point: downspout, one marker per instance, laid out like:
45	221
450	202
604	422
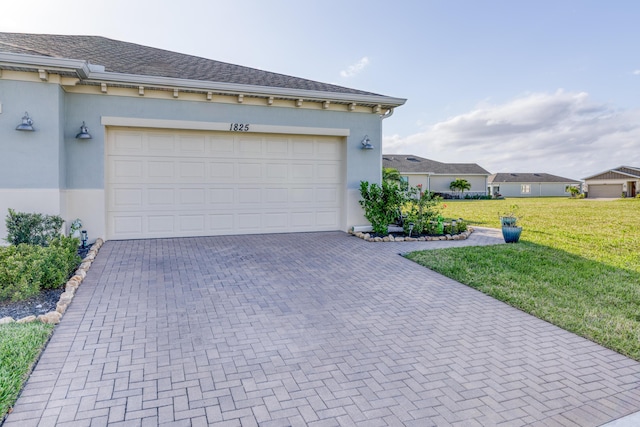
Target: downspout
388	114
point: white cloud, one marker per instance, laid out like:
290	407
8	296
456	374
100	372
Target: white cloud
355	69
636	72
560	133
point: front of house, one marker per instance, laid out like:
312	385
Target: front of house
179	145
436	176
623	181
530	185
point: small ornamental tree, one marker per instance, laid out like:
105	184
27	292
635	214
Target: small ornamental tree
573	190
460	185
391	174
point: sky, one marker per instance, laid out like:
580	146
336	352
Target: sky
545	86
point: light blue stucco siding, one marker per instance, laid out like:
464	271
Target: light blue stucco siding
536	189
31	159
86	162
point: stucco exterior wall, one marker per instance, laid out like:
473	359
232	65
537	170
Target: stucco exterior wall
440	183
537	189
73	171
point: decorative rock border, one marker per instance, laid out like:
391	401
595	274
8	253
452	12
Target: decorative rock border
66	297
367	236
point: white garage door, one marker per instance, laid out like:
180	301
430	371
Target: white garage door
605	191
191	183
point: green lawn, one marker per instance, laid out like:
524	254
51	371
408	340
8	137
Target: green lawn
577	264
20	346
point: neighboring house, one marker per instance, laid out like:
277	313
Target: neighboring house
530	185
181	145
436	176
623	180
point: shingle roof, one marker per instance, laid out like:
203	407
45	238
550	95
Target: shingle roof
528	177
407	163
130	58
620	171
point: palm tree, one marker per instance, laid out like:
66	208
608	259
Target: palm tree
460	185
391	174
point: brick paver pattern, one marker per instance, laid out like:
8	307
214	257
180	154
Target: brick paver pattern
318	329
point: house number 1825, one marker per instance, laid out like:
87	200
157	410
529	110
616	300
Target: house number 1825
239	127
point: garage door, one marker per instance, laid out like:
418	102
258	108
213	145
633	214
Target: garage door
605	191
190	183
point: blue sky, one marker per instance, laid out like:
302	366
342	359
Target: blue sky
537	86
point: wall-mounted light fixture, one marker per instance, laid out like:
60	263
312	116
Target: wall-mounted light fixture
366	143
84	132
27	123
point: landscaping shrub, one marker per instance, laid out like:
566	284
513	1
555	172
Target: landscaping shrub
382	204
27	269
32	228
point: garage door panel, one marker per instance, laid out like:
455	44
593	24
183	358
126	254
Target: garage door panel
302	171
222	172
192	145
192	223
221	146
193	196
328	172
161	145
249	221
126	170
303	148
250	147
157	197
124	225
161	224
277	171
160	169
249	196
192	171
249	171
277	149
177	183
127	143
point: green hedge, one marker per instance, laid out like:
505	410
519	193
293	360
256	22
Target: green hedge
32	228
27	269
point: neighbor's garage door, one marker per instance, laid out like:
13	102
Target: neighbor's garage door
605	191
190	183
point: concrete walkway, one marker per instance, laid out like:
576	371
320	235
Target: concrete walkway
319	329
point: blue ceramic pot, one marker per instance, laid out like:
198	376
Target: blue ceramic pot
511	234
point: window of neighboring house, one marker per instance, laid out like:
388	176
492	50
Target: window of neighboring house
525	189
404	179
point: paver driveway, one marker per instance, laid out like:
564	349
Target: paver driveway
308	329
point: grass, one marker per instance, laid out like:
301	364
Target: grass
20	346
577	264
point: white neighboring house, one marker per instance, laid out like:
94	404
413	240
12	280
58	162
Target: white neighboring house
530	185
613	183
436	176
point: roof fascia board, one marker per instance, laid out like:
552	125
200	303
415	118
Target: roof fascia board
242	88
61	64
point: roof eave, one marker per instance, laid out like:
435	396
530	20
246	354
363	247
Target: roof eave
245	89
88	73
49	63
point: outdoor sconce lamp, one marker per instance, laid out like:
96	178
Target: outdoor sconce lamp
84	132
27	123
366	143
